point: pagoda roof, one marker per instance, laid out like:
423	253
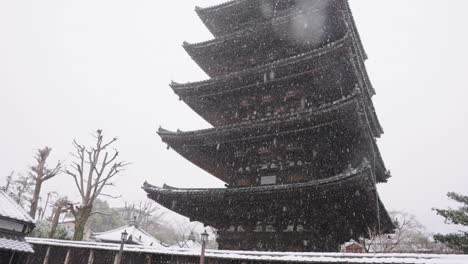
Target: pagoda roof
245	76
317	63
188	144
204	204
284	36
231	16
355	173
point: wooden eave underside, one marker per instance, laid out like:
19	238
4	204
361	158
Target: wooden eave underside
315	186
311	120
220	83
210	201
350	105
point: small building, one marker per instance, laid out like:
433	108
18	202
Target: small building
15	224
136	236
353	247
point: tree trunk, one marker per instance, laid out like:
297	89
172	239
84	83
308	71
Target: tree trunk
35	198
81	219
55	220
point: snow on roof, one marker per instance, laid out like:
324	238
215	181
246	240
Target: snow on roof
309	257
67	219
135	235
13	242
12	210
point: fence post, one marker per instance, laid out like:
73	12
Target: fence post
91	257
46	258
67	257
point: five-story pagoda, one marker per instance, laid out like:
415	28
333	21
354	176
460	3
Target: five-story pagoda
294	129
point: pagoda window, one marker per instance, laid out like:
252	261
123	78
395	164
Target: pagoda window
267	98
264	150
239	153
258	227
300	228
268	180
240	229
289	228
289	95
269	228
303	103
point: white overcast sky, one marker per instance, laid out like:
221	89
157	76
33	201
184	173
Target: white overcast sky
70	67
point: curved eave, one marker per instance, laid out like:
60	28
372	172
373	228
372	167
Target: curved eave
348	110
283	17
187	199
250	71
361	174
206	14
233	52
349	105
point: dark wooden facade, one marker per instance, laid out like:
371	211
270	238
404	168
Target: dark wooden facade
294	129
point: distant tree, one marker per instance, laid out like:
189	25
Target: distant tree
146	213
9	180
41	173
94	169
21	189
60	206
104	217
42	230
409	235
459	216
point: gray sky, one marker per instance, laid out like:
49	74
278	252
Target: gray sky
70	67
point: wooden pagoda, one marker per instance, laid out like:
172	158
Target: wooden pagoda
294	129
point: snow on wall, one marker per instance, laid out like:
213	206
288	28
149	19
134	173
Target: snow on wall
267	256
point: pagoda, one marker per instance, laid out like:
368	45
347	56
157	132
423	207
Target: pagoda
294	129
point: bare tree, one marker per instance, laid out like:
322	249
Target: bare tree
93	169
46	204
9	180
185	232
60	206
41	173
21	188
408	232
145	213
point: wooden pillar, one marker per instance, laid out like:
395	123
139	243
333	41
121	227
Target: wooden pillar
67	257
12	257
46	257
91	257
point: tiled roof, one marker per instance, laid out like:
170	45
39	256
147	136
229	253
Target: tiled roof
137	235
10	209
14	243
